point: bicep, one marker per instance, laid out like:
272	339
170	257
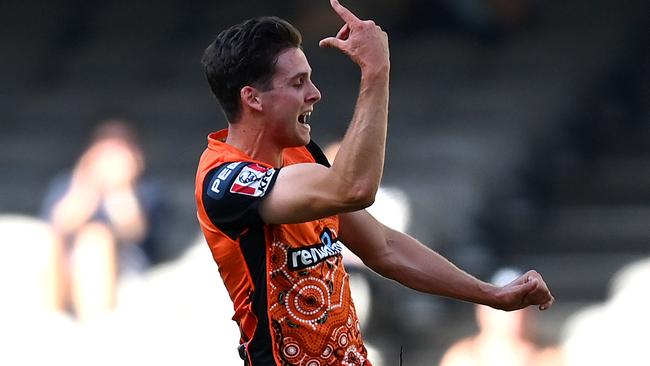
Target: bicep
305	192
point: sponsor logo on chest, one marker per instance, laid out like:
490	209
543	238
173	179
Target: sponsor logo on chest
299	258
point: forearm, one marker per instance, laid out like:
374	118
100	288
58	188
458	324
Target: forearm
126	214
416	266
404	259
73	210
360	159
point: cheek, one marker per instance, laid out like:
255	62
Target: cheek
282	109
285	112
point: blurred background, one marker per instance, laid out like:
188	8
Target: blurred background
519	138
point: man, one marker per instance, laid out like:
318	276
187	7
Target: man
274	212
503	338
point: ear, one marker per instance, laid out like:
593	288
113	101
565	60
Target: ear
251	97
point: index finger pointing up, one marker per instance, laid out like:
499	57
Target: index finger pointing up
344	13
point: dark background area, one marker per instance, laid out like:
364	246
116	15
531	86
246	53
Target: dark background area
520	133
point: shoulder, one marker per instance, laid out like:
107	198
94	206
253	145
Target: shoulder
231	194
460	353
240	177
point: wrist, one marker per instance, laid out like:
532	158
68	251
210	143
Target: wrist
487	295
376	73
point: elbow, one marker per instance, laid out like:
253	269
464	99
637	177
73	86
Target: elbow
386	260
355	191
384	265
365	198
360	197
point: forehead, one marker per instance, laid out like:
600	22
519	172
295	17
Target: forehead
291	63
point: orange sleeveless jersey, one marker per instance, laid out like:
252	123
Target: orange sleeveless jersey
289	289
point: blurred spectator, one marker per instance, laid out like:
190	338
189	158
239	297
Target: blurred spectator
503	338
104	213
30	280
174	314
30	284
614	332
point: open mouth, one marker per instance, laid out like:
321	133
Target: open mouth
304	118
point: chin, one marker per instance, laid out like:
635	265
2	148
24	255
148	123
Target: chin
297	142
301	142
301	139
306	140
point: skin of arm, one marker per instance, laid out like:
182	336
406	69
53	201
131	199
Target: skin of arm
398	256
305	192
80	201
126	214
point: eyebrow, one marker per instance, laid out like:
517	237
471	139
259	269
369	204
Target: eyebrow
299	74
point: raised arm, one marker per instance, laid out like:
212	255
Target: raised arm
305	192
402	258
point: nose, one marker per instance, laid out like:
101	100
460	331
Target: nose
313	94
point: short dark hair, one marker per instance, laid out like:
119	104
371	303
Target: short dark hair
246	54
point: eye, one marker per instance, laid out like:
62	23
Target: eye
299	81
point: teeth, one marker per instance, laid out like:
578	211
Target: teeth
305	117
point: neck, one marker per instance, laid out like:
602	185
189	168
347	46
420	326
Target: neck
252	138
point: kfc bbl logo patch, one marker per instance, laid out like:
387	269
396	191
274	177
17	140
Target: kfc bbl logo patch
252	180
